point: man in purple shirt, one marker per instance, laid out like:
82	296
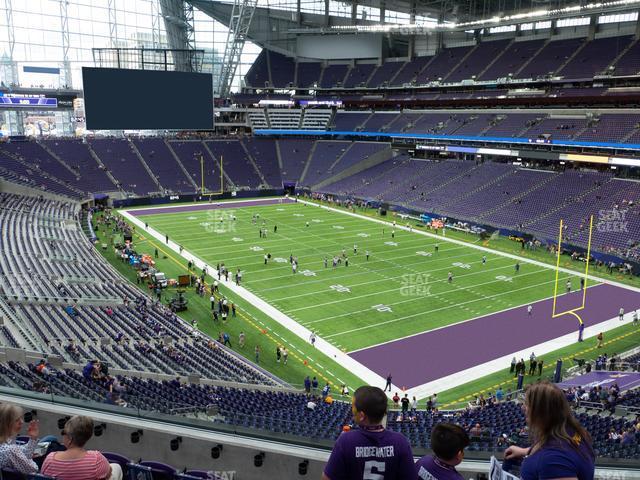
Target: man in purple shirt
370	451
448	442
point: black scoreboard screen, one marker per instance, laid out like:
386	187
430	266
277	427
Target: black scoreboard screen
122	99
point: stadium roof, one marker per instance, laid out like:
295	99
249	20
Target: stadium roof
281	19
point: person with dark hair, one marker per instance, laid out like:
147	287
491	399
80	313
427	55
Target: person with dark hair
448	442
560	446
370	451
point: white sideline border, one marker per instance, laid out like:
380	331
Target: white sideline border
498	364
360	370
367	375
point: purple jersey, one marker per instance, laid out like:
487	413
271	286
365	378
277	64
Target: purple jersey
431	468
364	455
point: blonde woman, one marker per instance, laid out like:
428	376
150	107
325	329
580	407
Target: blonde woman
76	463
17	457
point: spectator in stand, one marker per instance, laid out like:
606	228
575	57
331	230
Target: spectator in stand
17	457
76	463
370	449
41	368
561	447
448	442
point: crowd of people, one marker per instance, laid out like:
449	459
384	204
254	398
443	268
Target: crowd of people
559	446
64	459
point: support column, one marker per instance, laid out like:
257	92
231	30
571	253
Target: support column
593	27
65	78
326	13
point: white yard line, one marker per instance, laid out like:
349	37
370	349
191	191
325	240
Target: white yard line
367	375
394	267
477	247
356	297
502	363
421	298
436	310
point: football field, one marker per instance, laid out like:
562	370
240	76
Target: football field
396	308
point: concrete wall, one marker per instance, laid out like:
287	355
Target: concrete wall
340	46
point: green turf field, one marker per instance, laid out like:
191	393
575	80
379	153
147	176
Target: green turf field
402	289
263	331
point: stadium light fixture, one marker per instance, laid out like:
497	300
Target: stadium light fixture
423	28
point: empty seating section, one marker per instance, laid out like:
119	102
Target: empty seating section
550	194
435	198
325	154
478	60
316	119
629	62
349	121
294	154
190	153
162	163
125	166
611	127
512	60
258	74
236	164
509	125
258	118
358	75
383	74
357	152
34	154
595	57
378	122
282	411
284	119
473	124
76	154
22	172
444	62
557	128
333	75
49	265
264	151
365	183
503	195
550	58
440	173
281	70
409	72
308	73
570	58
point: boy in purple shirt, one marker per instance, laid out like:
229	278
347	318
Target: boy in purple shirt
448	442
370	451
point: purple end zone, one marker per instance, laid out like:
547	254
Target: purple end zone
432	355
625	380
208	206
